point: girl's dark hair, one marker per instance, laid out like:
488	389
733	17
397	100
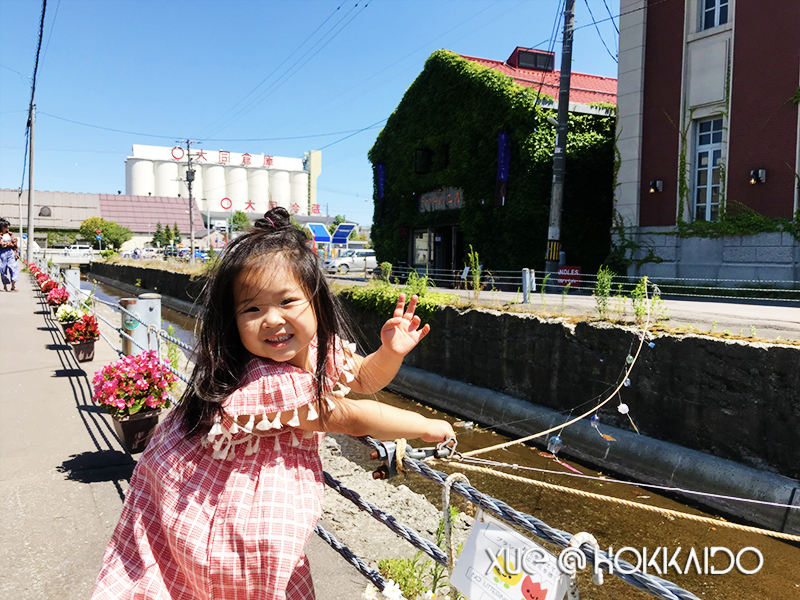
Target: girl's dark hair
220	356
4	222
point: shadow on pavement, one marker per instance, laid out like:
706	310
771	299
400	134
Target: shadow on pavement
99	466
64	347
69	373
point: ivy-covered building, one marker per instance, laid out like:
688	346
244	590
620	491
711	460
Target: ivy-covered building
465	160
709	139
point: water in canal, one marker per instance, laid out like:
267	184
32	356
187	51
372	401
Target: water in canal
612	524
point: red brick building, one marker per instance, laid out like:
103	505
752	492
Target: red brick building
708	122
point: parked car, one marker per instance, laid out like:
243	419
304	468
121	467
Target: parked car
352	260
79	250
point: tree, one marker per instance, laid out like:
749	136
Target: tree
176	235
336	221
112	235
158	236
240	221
169	237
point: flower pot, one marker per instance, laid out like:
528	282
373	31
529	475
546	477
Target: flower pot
135	431
67	325
84	351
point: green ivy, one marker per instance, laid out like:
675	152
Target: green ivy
739	219
455	108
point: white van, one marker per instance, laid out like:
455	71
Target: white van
79	250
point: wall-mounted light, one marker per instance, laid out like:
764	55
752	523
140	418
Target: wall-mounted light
758	176
656	186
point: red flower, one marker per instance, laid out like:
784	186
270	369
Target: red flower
84	330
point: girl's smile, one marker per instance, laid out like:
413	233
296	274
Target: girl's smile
274	315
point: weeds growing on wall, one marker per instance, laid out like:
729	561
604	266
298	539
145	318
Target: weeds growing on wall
602	291
381	297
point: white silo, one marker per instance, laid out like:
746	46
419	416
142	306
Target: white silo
142	177
166	178
258	189
236	178
299	196
279	189
214	185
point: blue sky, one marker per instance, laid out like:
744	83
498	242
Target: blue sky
226	72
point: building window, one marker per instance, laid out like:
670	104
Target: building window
715	13
707	170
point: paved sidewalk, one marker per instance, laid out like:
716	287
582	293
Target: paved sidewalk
63	471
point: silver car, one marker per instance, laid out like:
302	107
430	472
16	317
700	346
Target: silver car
352	260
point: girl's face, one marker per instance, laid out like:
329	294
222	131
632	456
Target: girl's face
274	316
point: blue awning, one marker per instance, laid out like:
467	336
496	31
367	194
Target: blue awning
320	233
343	232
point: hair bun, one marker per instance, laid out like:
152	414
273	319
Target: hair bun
277	218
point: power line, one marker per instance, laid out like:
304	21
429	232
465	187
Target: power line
600	35
52	26
276	68
613	22
629	12
291	71
33	91
172	137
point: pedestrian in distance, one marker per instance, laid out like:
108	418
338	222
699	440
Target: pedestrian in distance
9	255
227	493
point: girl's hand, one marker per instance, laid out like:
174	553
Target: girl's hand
438	431
401	333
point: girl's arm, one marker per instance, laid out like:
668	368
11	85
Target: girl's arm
367	417
399	336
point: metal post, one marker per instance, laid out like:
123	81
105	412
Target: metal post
559	152
72	276
526	283
29	253
129	326
150	312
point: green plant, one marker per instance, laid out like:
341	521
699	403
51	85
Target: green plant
602	290
543	290
564	296
386	270
620	303
727	332
109	253
639	300
714	326
416	284
474	275
752	331
173	353
418	575
381	297
138	282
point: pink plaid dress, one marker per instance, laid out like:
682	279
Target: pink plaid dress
226	518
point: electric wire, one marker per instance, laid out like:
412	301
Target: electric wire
600	35
291	71
273	71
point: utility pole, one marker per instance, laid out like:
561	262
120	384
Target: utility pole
189	180
29	246
560	151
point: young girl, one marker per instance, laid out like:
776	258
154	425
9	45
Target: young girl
226	495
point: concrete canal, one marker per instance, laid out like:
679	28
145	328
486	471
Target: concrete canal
612	524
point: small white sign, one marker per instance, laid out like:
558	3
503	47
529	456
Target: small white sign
497	563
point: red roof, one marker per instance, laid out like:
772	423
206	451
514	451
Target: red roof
141	213
583	88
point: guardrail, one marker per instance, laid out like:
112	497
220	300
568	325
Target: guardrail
585	283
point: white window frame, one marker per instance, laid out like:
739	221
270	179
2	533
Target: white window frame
708	169
714	13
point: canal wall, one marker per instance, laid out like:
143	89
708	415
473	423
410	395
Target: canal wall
735	400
